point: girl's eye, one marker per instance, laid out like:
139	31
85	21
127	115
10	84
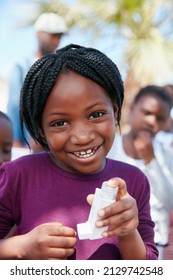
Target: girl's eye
96	115
59	123
7	151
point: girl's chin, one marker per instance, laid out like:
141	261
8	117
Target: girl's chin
84	168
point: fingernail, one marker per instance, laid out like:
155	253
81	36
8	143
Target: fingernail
99	223
105	234
101	213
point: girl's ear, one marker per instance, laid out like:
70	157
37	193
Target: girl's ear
41	131
42	134
115	108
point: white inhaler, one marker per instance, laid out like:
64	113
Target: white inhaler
103	197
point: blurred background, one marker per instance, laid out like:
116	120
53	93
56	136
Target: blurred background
137	35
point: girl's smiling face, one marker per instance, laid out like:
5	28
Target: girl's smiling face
78	123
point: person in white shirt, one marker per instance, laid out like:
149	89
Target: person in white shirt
148	115
166	136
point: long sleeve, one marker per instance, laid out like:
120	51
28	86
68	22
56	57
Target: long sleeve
16	79
15	84
6	219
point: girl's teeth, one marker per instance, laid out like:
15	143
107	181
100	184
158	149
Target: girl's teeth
86	154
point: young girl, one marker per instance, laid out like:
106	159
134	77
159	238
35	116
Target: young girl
6	138
71	103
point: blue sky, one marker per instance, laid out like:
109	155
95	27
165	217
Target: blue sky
17	42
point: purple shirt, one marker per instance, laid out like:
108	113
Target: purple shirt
33	190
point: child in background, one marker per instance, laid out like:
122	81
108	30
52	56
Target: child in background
71	103
6	142
165	136
7	151
6	138
149	113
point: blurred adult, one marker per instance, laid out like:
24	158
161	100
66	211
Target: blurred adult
49	29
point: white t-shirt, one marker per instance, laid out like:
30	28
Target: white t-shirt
166	138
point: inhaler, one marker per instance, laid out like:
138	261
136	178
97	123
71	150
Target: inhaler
103	197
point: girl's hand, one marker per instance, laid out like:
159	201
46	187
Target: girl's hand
122	216
49	241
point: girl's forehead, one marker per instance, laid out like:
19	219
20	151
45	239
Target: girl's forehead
74	92
71	84
4	122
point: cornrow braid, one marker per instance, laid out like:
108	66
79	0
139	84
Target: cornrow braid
43	74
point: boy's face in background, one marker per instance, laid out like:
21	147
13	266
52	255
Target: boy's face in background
48	42
79	123
6	140
149	114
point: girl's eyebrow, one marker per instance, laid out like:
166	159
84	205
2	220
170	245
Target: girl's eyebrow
94	105
87	109
58	113
55	114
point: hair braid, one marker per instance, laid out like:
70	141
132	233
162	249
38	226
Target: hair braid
42	76
94	65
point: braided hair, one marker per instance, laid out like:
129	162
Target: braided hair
43	74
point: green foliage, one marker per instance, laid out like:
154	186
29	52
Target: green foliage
145	25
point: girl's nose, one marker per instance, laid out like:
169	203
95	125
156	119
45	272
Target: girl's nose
81	135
